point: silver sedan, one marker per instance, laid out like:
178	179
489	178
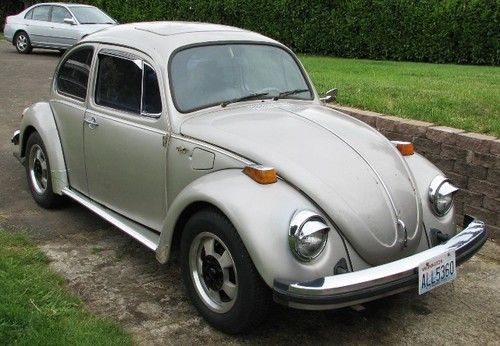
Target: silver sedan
54	26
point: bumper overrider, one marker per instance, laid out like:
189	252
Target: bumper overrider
368	284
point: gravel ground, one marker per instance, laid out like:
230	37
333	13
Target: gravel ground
121	279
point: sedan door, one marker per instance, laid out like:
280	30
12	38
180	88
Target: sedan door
39	26
63	35
124	136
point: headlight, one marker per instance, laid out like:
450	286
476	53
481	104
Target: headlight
441	193
307	235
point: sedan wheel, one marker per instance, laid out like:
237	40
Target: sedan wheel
23	43
219	274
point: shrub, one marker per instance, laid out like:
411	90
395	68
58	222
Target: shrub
453	31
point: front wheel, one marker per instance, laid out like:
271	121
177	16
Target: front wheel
38	173
23	43
219	275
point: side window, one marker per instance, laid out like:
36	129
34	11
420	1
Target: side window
151	99
118	84
127	85
41	13
59	14
29	15
73	75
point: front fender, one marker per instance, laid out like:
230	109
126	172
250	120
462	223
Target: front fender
424	171
261	214
39	118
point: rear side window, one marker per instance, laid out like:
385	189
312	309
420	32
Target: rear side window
127	85
29	15
41	13
73	75
59	14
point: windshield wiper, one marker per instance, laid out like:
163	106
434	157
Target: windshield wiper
244	98
284	94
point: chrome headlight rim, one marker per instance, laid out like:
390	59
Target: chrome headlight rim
305	223
438	184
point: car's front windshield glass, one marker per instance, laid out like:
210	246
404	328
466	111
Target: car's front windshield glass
209	75
91	15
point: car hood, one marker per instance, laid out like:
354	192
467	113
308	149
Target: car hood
349	170
88	29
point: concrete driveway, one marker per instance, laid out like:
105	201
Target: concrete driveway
121	279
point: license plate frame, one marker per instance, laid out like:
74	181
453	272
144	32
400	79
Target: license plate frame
437	271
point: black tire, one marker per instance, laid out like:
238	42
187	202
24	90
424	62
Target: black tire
23	43
253	297
38	173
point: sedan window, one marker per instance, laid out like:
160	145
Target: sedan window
59	14
41	13
29	15
73	75
91	15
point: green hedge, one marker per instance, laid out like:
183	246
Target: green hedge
454	31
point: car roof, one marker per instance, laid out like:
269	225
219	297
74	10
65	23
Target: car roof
164	37
68	4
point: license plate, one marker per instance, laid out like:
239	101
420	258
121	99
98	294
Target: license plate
437	271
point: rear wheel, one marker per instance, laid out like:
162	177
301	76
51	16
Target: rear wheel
38	173
23	43
219	275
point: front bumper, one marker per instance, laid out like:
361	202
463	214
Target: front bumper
369	284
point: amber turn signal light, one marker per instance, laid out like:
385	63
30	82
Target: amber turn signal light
405	148
261	174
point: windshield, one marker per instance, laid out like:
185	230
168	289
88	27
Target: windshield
91	15
220	74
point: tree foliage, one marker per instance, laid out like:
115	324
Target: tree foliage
453	31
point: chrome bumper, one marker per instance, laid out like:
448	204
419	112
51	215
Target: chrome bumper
364	285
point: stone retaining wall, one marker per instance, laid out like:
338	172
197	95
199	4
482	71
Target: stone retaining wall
470	160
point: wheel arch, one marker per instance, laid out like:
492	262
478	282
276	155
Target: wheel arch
260	214
16	33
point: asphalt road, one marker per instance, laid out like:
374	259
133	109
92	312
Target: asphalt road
121	279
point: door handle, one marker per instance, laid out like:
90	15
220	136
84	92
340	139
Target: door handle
91	122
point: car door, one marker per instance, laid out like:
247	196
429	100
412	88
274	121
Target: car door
63	35
124	138
39	26
68	105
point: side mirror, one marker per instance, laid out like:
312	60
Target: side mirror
70	21
330	96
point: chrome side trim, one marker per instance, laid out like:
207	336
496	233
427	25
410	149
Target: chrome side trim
142	234
369	284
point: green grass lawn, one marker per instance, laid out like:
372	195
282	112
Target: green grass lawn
465	97
37	309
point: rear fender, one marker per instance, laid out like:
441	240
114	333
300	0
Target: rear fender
39	118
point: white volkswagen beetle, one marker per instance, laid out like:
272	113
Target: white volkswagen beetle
213	139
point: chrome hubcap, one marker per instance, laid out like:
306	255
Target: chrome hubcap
22	42
213	272
38	169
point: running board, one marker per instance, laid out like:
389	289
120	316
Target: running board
140	233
